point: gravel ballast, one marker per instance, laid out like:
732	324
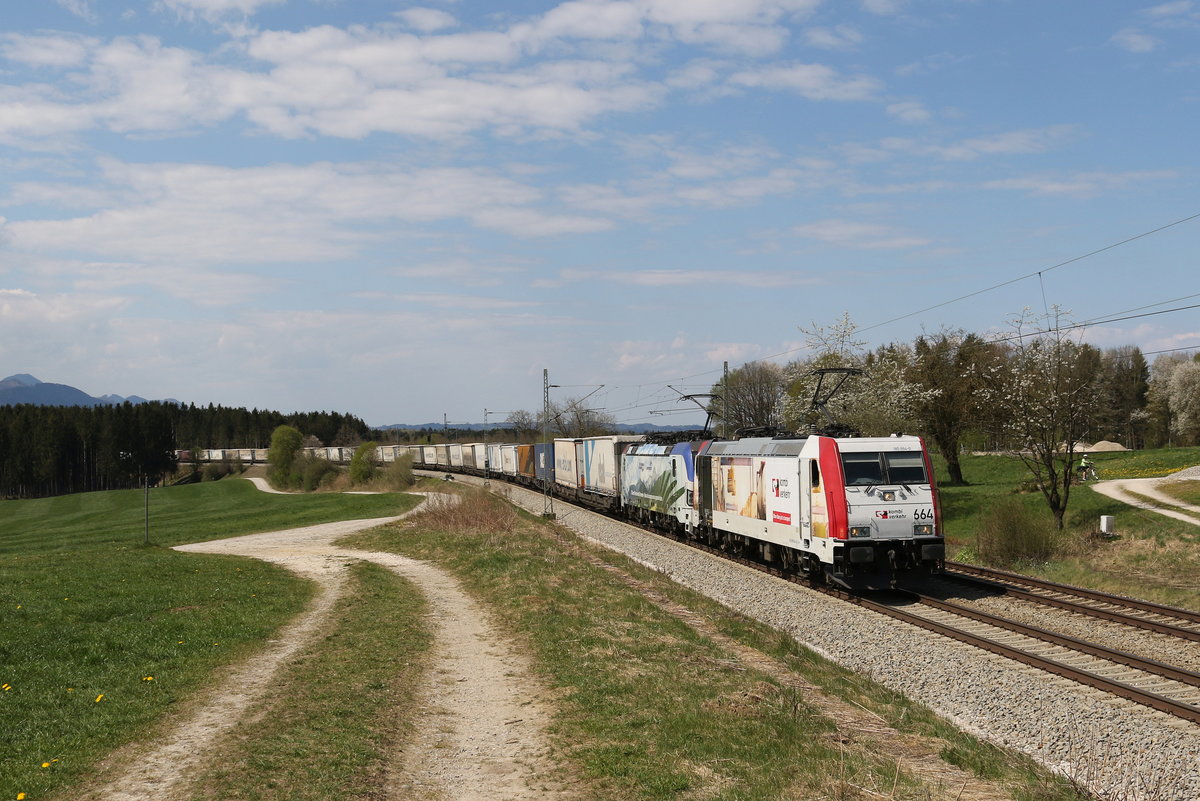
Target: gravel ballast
1117	749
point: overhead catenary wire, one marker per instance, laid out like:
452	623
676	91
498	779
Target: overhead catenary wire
1096	322
1011	281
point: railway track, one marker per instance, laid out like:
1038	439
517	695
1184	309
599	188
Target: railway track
1164	687
1169	620
1169	689
1154	684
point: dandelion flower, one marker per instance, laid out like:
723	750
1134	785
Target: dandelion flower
6	687
45	764
148	678
98	697
20	797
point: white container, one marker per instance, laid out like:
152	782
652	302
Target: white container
1107	524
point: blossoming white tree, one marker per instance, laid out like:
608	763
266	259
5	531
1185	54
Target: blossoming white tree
1044	393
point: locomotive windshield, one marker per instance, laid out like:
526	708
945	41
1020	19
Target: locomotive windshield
900	467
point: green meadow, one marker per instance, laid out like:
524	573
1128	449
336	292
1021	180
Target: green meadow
100	634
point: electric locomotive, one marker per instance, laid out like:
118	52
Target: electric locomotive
857	511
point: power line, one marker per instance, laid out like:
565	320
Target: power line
1147	306
1035	272
1097	322
1171	350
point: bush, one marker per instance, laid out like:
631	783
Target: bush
399	474
313	472
362	464
286	444
214	471
1011	532
475	511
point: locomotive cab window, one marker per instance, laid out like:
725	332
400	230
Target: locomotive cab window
901	467
906	467
862	469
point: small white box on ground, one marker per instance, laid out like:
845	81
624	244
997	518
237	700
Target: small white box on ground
1107	524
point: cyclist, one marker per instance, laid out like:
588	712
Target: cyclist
1087	469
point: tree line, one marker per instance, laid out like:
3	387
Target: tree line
55	450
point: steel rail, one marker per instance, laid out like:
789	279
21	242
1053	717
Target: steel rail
1082	592
997	579
1162	703
1066	641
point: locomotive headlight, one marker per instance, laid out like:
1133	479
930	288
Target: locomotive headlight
860	531
923	529
888	495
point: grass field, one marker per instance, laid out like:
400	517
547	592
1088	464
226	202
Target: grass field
103	634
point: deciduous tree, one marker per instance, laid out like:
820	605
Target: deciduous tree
1045	391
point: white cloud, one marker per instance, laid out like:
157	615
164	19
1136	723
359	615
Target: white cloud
214	9
756	279
930	64
909	111
1173	9
1086	184
356	81
883	7
467	303
61	329
427	20
813	81
840	37
166	214
1025	141
590	20
44	50
859	235
80	8
1134	41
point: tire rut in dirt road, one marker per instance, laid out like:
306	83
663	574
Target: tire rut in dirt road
480	734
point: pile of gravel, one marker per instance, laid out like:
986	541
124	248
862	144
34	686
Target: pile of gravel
1186	474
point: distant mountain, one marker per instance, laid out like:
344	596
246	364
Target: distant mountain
19	380
24	388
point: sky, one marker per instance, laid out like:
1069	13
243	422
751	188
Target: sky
409	211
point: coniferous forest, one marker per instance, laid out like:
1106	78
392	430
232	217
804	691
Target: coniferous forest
55	450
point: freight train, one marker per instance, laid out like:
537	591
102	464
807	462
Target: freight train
859	512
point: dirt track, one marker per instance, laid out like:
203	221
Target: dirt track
479	736
1120	490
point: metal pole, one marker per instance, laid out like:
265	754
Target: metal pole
724	395
547	499
147	540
